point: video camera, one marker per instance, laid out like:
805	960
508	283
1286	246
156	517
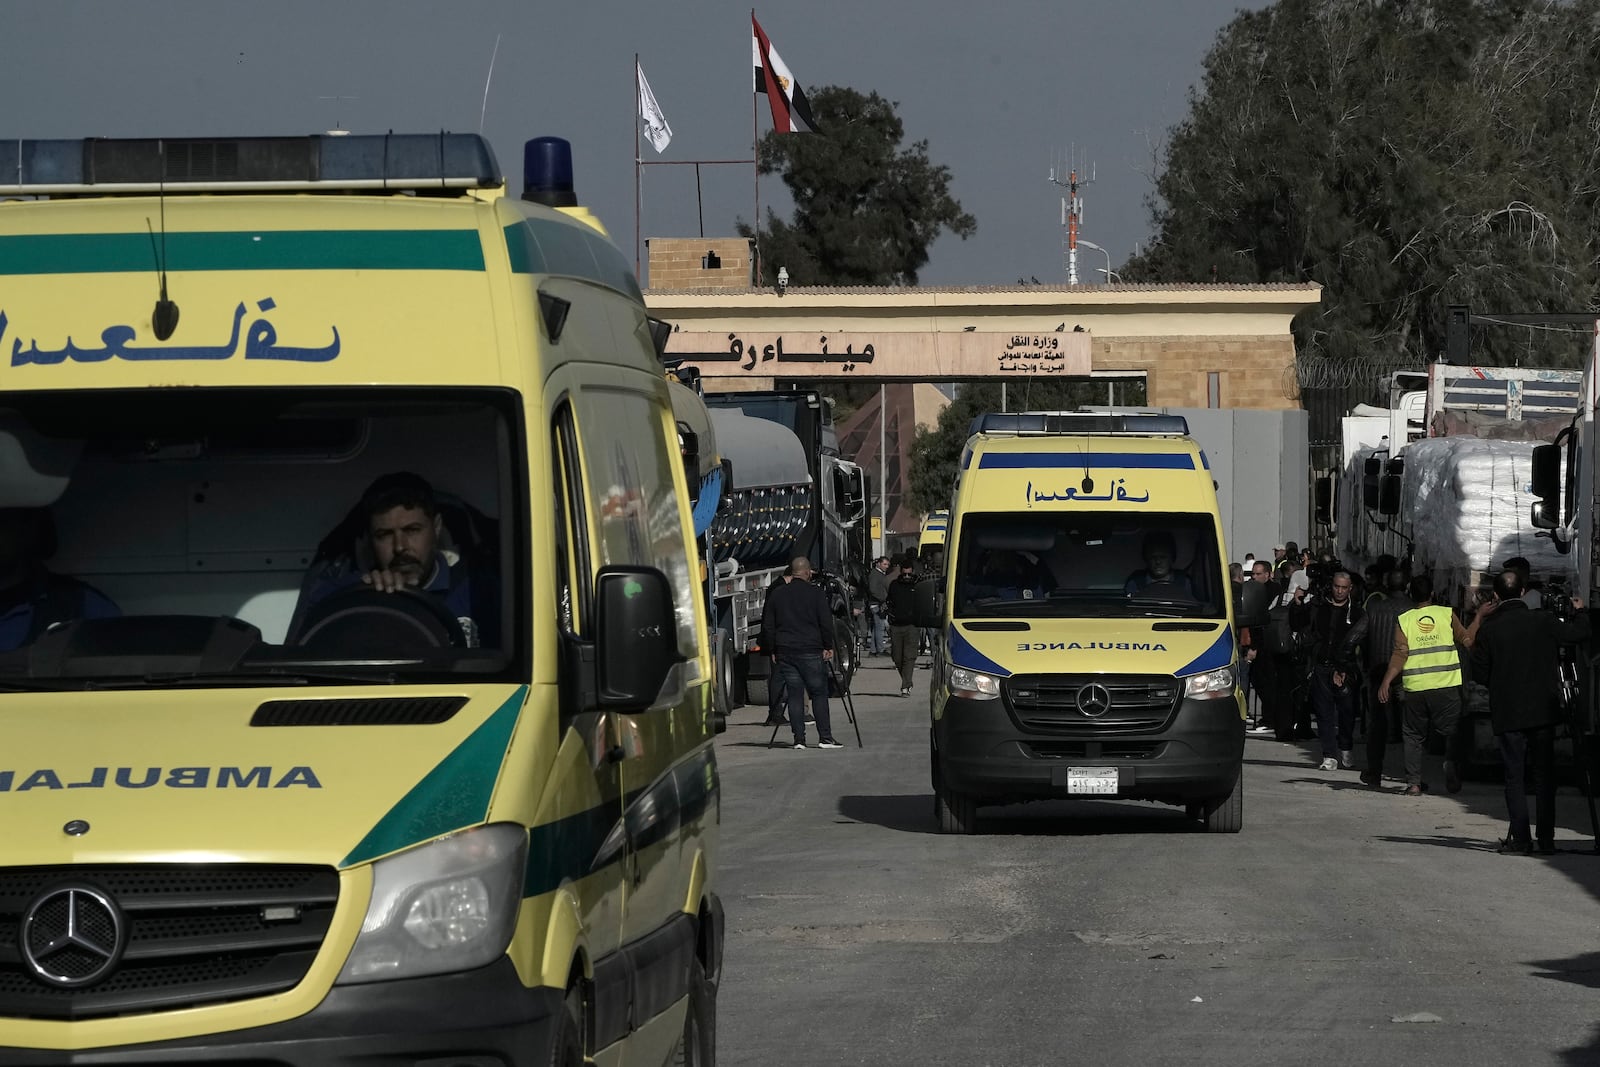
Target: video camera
1556	598
1321	575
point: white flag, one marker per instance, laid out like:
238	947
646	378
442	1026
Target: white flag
656	130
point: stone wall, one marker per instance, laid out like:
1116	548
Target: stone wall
1254	371
681	263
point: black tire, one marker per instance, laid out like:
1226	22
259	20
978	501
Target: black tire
727	681
1225	815
844	655
958	813
698	1045
567	1049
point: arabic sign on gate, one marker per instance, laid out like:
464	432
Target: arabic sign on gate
921	356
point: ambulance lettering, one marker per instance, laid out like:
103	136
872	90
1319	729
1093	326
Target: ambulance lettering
172	778
1082	646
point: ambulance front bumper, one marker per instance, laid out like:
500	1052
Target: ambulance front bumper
481	1018
1195	755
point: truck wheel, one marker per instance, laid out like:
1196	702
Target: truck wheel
756	691
727	680
958	813
698	1045
844	654
567	1050
1225	815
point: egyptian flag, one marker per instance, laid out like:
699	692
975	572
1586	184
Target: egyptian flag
790	111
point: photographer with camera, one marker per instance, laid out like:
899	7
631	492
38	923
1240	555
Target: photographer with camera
1428	666
1518	656
1338	624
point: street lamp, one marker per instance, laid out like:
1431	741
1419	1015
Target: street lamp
1097	248
1112	277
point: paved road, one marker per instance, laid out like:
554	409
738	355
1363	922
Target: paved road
1111	932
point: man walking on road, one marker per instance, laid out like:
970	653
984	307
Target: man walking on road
801	627
1384	609
903	632
1424	658
878	579
1334	622
1517	655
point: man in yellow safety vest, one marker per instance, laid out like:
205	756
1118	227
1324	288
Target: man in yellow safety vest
1429	668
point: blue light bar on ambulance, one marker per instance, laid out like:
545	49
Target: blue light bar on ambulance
1087	422
100	166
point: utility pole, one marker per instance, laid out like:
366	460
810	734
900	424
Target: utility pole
1071	216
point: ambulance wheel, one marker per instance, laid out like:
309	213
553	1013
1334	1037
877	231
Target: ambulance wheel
958	813
567	1049
698	1045
1225	815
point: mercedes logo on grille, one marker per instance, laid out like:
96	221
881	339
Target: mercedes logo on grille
72	936
1094	700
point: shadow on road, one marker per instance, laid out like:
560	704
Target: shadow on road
913	814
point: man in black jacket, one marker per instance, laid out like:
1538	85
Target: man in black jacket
1335	639
1384	609
903	632
1517	655
800	625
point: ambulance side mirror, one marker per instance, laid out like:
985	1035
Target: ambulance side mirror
636	637
930	603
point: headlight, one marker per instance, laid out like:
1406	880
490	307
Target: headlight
1212	685
445	906
973	685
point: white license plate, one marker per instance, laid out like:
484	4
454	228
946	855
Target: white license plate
1092	781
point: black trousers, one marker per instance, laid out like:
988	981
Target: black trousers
1289	691
1379	717
1515	748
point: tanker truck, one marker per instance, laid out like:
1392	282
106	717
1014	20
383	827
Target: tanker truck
791	494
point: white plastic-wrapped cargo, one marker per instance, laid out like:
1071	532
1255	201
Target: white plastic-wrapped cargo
1467	503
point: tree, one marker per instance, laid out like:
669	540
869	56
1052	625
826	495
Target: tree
1407	156
936	453
865	211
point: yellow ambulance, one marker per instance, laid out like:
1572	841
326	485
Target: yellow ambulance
934	528
1088	643
355	699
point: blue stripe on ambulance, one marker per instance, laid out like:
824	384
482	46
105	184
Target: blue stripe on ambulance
1080	460
962	654
1219	655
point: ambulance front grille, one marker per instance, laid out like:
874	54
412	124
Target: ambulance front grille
192	935
1092	703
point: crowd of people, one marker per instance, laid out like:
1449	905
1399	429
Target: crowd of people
1322	648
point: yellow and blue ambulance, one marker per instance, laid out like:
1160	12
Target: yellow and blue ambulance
1088	645
262	801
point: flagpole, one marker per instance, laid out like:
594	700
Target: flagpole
638	159
755	152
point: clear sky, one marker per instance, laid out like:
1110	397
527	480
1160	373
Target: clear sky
1002	91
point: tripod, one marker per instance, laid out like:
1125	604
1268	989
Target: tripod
837	687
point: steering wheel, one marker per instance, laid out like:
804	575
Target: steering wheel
367	623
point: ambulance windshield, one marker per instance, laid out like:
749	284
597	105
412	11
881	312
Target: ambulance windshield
259	536
1090	565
